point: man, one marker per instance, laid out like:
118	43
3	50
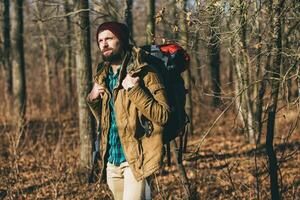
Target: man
127	91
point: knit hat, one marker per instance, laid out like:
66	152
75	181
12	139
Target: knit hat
118	29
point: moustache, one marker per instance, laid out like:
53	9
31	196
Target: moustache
106	49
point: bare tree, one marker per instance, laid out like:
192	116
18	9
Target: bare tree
174	15
290	29
151	22
128	16
244	101
84	84
45	52
214	54
187	81
298	84
19	81
198	59
68	53
275	84
187	74
7	48
263	84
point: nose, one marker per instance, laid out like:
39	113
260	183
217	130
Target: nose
103	44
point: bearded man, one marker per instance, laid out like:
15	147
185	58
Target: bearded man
126	91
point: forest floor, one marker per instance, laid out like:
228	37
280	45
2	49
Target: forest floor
43	163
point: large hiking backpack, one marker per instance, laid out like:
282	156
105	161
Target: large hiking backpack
170	60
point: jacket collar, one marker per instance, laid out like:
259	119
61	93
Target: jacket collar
137	60
134	61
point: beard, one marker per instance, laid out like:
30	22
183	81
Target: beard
115	56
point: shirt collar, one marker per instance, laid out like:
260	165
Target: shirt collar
111	73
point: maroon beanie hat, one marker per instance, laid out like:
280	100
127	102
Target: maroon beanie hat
118	29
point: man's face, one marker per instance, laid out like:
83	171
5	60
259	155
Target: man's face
110	46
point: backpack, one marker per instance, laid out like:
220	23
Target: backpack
170	60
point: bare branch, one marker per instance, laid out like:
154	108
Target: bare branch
62	16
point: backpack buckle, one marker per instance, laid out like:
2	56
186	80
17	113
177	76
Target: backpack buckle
148	126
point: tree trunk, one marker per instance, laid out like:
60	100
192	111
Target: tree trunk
187	74
128	16
180	167
84	84
298	84
275	84
263	85
151	22
198	61
231	60
45	58
174	13
214	55
7	49
245	105
258	36
68	56
19	83
289	66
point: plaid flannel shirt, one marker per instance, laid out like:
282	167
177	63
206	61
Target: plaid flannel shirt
116	155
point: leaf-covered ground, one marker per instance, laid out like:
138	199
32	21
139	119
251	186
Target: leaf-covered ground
44	163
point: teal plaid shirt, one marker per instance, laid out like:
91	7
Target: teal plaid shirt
115	155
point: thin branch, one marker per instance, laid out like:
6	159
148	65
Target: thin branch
62	16
220	115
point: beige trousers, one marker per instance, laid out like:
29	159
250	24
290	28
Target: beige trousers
123	185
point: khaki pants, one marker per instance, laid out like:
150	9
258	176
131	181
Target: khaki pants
123	185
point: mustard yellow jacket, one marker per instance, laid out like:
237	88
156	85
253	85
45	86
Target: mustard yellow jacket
147	99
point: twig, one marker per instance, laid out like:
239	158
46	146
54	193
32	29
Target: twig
220	115
62	16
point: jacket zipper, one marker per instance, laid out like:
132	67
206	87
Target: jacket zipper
104	153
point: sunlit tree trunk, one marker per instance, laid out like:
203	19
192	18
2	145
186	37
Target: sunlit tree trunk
19	83
84	84
258	112
68	55
151	22
244	104
275	84
183	38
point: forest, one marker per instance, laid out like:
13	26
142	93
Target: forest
243	99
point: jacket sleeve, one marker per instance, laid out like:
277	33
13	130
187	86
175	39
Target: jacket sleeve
94	106
152	100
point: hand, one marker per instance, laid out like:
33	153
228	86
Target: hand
129	81
97	91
